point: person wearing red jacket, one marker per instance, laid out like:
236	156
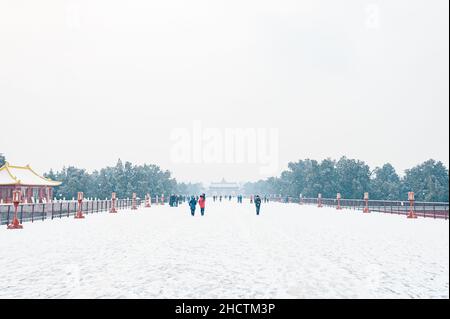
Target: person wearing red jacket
202	204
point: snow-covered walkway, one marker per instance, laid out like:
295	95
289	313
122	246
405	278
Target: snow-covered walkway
290	251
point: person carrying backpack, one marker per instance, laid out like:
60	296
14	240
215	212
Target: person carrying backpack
257	204
192	205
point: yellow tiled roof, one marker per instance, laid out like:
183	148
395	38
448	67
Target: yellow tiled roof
23	175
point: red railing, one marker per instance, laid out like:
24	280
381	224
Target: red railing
58	209
30	212
421	209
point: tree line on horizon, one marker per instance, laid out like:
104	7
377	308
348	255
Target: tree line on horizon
350	177
124	179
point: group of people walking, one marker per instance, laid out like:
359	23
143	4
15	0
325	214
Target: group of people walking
175	200
219	198
230	197
201	201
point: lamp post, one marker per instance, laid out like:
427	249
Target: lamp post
79	214
15	222
411	213
148	201
366	201
133	202
113	203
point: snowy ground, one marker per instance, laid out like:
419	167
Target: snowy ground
290	251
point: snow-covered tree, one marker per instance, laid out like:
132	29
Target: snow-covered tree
2	160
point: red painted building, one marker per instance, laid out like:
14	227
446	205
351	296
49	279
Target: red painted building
34	187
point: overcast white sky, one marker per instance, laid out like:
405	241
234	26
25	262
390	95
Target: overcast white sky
87	82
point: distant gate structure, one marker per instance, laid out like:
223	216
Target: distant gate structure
224	188
34	187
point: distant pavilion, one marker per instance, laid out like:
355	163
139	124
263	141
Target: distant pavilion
224	188
33	186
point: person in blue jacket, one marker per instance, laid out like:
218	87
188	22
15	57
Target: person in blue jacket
192	205
257	204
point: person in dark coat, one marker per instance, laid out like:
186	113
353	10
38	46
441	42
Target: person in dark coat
257	204
192	205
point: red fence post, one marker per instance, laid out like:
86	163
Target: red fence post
15	222
79	214
411	213
366	201
148	201
338	197
133	202
319	200
113	203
